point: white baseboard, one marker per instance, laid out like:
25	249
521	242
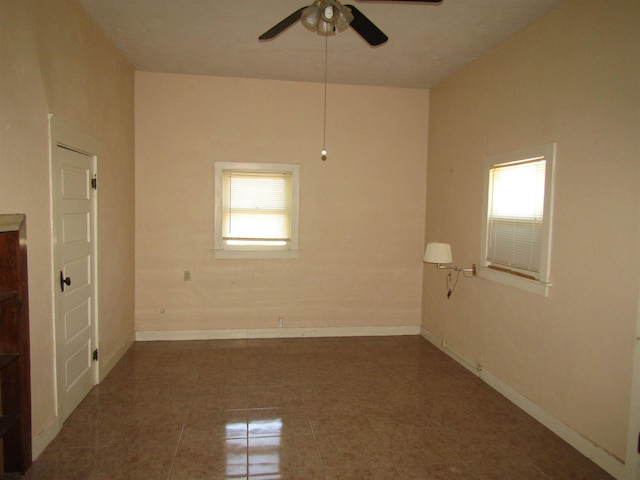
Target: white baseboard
598	455
44	438
155	335
107	365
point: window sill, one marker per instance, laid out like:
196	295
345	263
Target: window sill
254	254
532	286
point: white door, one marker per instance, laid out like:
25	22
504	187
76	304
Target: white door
74	221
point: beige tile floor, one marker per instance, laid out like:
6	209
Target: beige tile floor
329	409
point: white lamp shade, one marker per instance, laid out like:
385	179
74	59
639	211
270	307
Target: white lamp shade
438	253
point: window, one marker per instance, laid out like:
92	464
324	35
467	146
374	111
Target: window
256	209
517	218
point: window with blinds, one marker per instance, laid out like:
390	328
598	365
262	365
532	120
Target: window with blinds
256	206
515	215
517	223
256	209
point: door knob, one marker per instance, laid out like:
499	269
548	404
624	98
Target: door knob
64	281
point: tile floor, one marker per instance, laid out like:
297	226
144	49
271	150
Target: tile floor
328	409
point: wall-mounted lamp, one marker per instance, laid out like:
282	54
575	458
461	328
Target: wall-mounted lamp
440	254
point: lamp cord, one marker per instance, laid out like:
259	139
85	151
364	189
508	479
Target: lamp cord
451	287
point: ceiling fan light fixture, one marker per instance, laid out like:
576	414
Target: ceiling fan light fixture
345	17
323	16
311	15
325	28
329	13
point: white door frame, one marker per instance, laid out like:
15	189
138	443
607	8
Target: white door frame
633	439
62	133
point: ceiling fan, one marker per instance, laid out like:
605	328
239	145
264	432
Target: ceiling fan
325	16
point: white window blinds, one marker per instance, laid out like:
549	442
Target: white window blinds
515	216
256	208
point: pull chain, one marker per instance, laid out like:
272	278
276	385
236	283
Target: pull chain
324	132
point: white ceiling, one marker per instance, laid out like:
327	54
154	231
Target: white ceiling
427	42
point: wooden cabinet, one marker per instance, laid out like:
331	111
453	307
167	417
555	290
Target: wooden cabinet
15	381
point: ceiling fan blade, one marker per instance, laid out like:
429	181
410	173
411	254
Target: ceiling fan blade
365	28
282	26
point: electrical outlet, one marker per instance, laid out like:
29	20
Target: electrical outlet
187	275
281	319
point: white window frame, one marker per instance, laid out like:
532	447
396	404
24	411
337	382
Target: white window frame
541	284
290	249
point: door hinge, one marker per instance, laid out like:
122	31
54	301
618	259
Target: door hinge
95	355
94	182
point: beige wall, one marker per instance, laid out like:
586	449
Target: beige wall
54	60
361	211
572	78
